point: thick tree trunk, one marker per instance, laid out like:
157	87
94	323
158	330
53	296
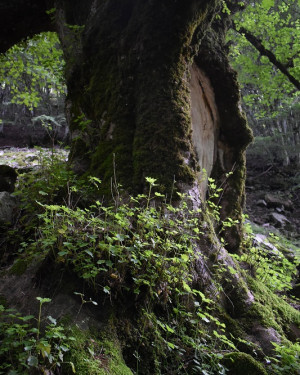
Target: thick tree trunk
151	94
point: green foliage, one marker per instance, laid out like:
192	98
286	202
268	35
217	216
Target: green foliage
96	354
268	262
276	25
32	66
242	363
287	360
51	181
141	247
24	346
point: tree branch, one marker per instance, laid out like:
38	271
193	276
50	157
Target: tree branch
269	54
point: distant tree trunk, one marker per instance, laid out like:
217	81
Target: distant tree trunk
151	94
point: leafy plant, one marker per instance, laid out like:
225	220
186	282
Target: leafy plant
286	360
32	66
52	181
268	263
139	249
24	346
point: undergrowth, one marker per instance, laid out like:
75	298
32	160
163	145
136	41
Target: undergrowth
26	347
143	248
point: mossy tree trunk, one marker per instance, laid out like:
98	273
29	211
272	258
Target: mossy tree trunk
135	71
150	93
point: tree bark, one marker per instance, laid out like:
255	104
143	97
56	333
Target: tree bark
22	19
151	94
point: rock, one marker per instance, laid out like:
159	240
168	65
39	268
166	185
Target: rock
8	178
293	332
264	337
279	220
274	201
31	157
295	291
7	206
262	241
261	203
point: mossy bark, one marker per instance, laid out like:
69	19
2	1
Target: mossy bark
130	81
129	105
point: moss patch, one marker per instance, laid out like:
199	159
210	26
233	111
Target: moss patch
19	267
96	356
242	363
270	309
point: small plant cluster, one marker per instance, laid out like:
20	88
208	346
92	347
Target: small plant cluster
271	266
287	359
51	181
110	243
25	346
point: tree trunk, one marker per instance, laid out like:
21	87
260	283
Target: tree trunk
151	94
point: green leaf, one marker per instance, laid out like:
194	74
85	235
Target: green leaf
267	4
151	180
52	320
186	286
73	367
106	289
44	347
43	300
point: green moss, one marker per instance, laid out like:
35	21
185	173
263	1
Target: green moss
134	89
270	309
3	301
92	355
241	363
19	267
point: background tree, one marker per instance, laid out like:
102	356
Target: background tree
32	83
265	52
